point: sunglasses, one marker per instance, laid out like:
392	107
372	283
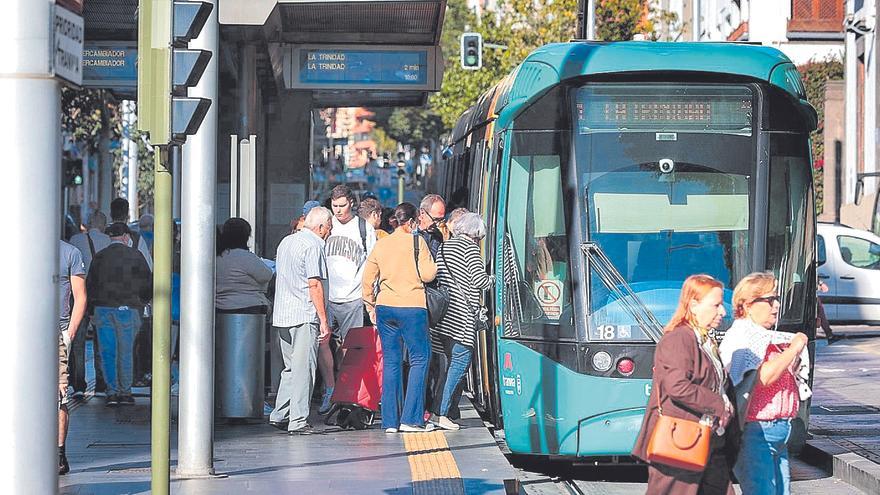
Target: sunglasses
435	220
767	299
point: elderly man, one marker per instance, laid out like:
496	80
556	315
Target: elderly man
300	317
432	211
119	284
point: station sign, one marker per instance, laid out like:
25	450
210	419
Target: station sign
361	68
110	65
68	34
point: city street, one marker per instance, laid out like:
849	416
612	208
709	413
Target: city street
845	414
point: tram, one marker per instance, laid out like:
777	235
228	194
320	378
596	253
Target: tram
607	173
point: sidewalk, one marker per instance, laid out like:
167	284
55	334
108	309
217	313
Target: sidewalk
845	412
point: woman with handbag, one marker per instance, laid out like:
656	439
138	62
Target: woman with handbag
399	265
460	268
687	410
769	370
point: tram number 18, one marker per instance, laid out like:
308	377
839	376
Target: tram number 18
607	332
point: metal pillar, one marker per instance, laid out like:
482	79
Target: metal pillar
130	124
695	5
176	188
160	422
591	19
85	208
851	114
106	191
199	184
30	135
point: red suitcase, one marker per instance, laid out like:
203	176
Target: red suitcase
358	387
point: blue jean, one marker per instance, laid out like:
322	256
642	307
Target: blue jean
458	365
116	328
762	465
409	327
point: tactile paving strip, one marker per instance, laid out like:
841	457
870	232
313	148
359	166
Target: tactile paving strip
432	464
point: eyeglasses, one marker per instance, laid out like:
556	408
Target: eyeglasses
767	299
435	220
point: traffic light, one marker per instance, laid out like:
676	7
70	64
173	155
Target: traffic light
167	68
471	51
72	173
187	68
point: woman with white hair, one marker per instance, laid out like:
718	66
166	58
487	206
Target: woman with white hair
460	267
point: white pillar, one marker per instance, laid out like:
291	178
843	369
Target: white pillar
851	116
30	136
129	116
198	197
591	19
695	4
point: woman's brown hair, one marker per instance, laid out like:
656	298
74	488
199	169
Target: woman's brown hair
752	286
695	288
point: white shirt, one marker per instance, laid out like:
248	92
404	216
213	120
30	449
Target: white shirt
99	239
345	259
300	258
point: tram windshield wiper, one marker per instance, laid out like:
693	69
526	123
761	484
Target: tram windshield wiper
626	296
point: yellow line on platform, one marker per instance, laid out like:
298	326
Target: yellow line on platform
432	464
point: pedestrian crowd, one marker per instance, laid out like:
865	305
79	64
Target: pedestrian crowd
716	409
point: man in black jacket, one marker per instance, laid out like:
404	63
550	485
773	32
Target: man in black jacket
119	284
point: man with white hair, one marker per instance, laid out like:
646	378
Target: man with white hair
300	317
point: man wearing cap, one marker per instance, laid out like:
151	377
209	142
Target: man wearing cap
119	284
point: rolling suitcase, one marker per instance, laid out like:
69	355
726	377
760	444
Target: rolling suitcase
358	387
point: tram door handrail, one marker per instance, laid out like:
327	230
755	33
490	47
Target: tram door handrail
614	282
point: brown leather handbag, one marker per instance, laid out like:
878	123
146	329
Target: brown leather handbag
679	443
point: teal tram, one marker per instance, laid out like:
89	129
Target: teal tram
606	174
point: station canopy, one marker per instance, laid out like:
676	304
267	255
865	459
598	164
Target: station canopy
348	53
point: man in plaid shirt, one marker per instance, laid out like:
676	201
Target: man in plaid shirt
119	285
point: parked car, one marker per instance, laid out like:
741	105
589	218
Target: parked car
849	264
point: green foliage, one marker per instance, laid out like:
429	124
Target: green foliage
815	75
620	20
81	114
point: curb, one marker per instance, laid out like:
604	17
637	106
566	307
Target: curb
850	468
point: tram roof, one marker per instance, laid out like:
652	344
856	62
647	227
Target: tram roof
558	62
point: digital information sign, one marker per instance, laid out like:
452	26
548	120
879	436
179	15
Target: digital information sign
664	108
335	67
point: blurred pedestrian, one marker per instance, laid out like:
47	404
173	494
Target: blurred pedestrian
300	316
145	227
119	214
242	278
371	211
822	317
775	367
71	281
453	216
297	224
460	267
432	211
347	249
400	265
119	285
389	223
88	243
689	383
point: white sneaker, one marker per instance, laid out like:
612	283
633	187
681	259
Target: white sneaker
416	429
390	430
447	424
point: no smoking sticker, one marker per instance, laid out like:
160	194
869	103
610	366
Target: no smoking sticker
549	295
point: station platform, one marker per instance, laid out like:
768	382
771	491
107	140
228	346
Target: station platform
109	453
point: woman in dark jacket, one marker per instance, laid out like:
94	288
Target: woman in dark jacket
460	268
689	383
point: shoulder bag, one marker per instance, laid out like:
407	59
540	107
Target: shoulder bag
479	323
436	296
679	443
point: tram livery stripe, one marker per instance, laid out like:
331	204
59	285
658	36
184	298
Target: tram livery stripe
432	466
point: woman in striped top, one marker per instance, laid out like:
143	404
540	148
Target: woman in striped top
460	267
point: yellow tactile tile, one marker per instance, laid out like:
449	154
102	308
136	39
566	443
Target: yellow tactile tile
432	465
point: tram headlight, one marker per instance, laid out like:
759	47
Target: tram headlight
602	361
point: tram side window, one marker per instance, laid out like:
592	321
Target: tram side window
790	225
537	278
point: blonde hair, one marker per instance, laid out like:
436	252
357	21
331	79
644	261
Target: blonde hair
694	288
752	286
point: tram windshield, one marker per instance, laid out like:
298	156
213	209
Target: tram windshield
665	176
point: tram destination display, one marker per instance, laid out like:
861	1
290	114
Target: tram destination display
624	107
335	67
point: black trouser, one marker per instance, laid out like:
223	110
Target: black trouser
143	350
77	362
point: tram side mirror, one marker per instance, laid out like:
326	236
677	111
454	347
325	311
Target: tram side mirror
860	191
667	165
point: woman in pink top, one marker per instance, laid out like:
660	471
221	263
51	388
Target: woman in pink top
752	346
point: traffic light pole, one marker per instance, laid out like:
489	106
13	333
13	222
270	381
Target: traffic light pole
161	385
